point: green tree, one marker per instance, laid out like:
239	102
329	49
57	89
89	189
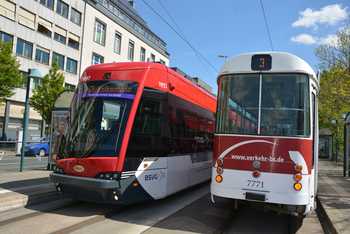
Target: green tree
334	100
44	97
10	78
337	53
334	96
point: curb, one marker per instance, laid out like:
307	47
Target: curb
325	215
32	198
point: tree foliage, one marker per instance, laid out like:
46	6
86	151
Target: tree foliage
334	99
10	78
337	53
334	96
44	97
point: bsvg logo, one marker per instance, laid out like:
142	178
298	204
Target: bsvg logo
78	168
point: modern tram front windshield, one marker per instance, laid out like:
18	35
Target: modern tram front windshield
97	118
285	105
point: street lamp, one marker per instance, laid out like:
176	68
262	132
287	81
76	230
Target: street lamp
223	56
32	73
336	138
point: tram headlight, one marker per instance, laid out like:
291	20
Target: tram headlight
218	178
115	195
219	170
297	186
298	177
58	187
108	175
298	168
58	170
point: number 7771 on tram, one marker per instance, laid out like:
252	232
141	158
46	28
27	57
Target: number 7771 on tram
266	139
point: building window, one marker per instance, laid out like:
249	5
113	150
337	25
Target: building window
5	37
117	42
60	59
71	65
36	83
48	3
7	9
69	86
100	30
114	10
60	34
153	57
24	48
75	16
96	59
142	54
42	55
62	8
162	62
131	50
26	18
44	27
73	41
24	74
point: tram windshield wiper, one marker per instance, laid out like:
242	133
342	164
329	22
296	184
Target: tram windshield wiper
121	121
102	140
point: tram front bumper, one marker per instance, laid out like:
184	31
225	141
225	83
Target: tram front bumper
92	183
121	192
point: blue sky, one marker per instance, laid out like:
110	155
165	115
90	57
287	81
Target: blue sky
228	27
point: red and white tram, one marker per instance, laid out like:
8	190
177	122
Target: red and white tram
266	136
134	132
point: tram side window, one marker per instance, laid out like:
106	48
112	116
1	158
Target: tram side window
191	121
147	120
175	123
285	105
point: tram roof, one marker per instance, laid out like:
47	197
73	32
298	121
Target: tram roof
125	66
281	63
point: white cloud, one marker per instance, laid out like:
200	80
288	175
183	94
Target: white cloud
331	15
305	39
327	40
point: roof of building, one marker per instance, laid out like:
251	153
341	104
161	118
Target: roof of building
130	10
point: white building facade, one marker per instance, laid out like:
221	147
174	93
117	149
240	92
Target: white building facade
79	33
114	32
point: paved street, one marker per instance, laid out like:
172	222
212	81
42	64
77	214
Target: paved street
12	162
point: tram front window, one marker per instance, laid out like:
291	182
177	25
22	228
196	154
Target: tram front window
285	107
285	104
238	105
96	120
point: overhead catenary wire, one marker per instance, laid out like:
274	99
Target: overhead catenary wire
186	39
180	35
267	27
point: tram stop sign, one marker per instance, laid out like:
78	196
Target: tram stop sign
59	113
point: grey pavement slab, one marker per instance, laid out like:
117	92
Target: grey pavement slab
18	189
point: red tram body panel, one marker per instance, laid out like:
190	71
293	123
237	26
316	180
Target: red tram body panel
134	132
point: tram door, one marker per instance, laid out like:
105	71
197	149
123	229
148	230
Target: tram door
346	149
315	139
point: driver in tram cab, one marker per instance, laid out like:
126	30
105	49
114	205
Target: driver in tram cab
275	117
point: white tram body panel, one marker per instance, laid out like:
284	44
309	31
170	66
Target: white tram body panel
161	177
266	140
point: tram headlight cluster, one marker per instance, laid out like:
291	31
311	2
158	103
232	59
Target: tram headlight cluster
58	187
297	177
219	170
108	175
58	170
